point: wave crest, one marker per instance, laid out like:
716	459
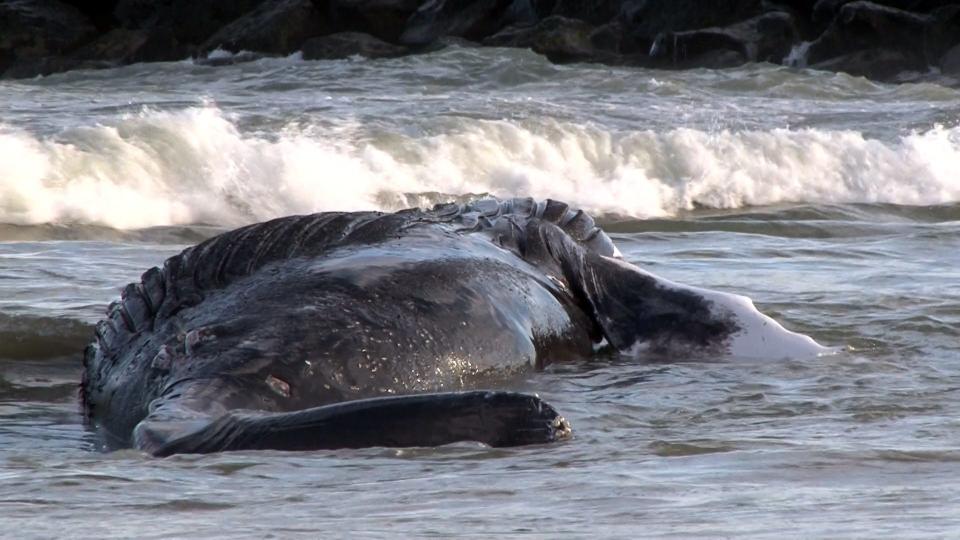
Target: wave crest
197	166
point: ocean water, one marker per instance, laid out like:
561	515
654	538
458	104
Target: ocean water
832	201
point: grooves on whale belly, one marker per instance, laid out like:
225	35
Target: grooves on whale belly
349	329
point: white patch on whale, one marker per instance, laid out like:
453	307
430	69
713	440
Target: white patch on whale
759	337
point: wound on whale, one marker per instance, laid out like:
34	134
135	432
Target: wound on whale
349	330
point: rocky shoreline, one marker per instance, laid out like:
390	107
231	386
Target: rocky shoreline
884	40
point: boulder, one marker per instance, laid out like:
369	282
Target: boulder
470	19
218	60
650	18
950	62
34	34
347	44
558	38
118	46
877	64
826	10
610	38
99	12
279	27
765	38
943	33
190	22
595	12
865	26
384	19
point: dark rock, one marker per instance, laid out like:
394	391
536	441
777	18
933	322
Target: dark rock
866	26
879	64
766	38
229	60
470	19
595	12
943	33
36	32
445	42
163	46
610	38
558	38
802	13
826	10
119	46
279	27
347	44
950	62
190	22
100	12
524	12
650	18
384	19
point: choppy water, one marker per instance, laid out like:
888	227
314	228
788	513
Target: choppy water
832	201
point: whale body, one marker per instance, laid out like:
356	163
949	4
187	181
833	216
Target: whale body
346	330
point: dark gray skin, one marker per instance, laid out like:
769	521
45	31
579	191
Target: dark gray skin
368	329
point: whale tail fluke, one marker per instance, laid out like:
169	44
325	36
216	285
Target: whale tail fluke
494	418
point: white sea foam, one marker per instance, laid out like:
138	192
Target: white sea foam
195	165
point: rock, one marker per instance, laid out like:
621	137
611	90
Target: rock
766	38
865	26
878	64
650	18
347	44
384	19
558	38
190	22
609	38
826	10
943	33
950	62
219	60
99	12
595	12
35	33
119	46
279	27
470	19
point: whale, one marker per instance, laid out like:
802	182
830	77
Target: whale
376	329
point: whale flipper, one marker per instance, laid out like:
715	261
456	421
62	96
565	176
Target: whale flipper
493	418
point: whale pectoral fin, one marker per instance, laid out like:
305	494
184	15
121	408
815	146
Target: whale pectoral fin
493	418
632	306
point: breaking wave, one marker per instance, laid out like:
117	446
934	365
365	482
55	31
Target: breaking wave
196	165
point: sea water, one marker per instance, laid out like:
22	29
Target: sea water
832	201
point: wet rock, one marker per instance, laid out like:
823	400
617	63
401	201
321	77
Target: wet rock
878	64
99	12
650	18
189	21
943	33
595	12
558	38
950	62
766	38
860	27
611	38
274	27
826	10
347	44
118	46
384	19
34	34
218	60
470	19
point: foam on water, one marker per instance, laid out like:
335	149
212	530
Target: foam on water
197	166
